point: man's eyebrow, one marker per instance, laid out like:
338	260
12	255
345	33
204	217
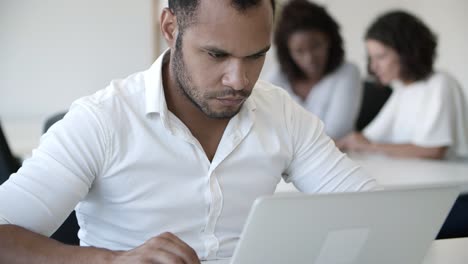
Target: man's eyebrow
223	52
215	50
264	50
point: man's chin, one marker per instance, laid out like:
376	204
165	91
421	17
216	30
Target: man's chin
222	114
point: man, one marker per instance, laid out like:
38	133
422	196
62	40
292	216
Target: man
184	147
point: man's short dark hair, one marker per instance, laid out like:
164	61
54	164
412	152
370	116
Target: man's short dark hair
185	10
302	15
410	38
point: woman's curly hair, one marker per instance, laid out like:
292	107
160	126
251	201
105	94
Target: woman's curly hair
414	42
300	15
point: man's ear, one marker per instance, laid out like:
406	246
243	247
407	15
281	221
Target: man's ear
169	26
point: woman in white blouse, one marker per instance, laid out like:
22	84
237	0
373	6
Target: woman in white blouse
310	53
426	116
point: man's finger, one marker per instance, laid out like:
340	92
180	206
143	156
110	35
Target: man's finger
175	245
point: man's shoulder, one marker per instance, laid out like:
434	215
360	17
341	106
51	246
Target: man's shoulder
118	91
269	97
121	99
269	91
273	102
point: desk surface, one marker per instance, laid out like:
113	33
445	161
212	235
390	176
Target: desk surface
396	172
445	251
391	172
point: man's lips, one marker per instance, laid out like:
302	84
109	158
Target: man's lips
230	101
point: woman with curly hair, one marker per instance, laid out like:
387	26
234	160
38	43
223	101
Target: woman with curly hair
312	68
425	117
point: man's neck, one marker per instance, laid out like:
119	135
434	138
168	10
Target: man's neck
208	131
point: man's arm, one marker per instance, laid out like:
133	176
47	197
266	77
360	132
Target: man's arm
317	165
18	245
48	186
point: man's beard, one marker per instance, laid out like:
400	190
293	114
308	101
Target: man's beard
192	93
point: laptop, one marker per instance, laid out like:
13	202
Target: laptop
385	227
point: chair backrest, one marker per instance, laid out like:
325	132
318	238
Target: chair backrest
373	99
52	120
8	163
456	224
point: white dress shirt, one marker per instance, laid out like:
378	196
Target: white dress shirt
335	99
427	113
135	170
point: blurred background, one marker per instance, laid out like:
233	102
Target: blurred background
55	51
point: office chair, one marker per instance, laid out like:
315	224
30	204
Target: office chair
374	97
52	120
456	223
68	231
8	163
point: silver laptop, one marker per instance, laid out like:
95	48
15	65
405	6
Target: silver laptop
390	226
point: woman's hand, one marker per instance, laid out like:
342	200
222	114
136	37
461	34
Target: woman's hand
354	142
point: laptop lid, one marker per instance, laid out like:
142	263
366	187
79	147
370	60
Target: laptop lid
390	226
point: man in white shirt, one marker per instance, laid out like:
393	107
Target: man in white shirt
164	165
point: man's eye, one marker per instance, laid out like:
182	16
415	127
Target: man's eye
217	55
258	56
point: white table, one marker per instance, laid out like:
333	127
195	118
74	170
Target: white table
445	251
391	172
448	251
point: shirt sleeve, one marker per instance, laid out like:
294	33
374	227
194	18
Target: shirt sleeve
317	165
343	108
436	127
59	174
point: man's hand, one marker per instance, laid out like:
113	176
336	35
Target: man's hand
163	249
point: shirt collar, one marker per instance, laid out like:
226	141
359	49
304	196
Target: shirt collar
154	89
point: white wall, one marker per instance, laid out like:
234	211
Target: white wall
447	18
55	51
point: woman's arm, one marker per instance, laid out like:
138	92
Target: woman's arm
409	151
356	142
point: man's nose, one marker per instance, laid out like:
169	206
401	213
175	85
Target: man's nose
236	75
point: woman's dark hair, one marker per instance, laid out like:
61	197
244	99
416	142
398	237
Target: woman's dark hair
410	38
300	15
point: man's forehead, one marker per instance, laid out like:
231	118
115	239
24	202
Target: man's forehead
236	34
221	10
